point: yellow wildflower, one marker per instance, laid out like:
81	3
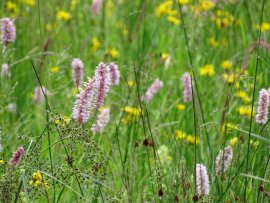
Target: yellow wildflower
180	134
29	2
164	8
207	70
130	83
173	20
207	5
228	127
73	4
112	53
12	8
263	27
183	2
213	42
63	15
226	65
131	113
55	69
244	110
233	141
243	95
191	139
2	161
180	107
229	78
38	180
95	44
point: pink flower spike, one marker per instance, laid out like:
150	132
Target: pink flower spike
115	74
102	84
16	157
39	94
96	5
202	180
102	120
224	159
84	102
186	79
8	31
77	71
152	90
262	109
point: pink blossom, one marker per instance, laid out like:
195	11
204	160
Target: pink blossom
96	5
101	84
5	70
16	157
115	74
262	109
152	90
84	102
39	94
77	71
103	119
8	31
202	180
224	159
186	79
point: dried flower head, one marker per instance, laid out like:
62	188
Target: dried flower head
202	180
84	102
186	79
102	120
16	157
8	31
263	104
115	74
224	159
77	71
102	83
152	90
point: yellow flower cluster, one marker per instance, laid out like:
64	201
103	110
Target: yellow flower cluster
55	69
29	2
12	8
166	9
229	77
243	95
244	110
213	42
226	65
223	19
37	180
131	113
188	138
207	70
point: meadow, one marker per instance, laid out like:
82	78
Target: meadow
134	101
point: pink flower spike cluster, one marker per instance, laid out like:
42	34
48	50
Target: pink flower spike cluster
96	5
95	91
39	94
224	159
